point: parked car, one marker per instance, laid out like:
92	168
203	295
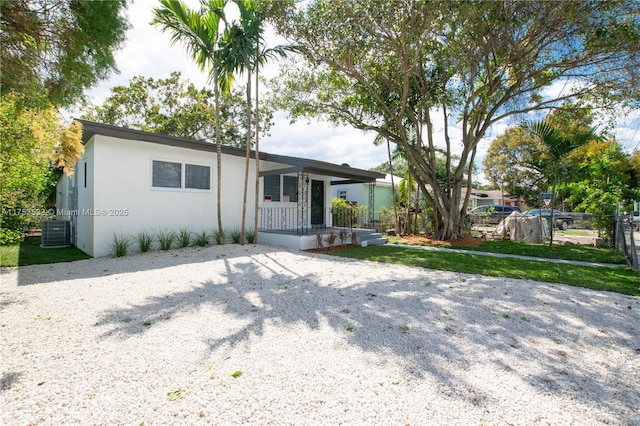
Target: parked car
490	214
562	220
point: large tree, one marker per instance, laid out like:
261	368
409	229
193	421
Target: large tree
173	106
57	49
388	66
507	164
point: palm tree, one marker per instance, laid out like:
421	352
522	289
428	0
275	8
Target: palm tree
553	161
199	31
241	52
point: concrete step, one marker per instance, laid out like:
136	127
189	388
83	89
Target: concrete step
372	238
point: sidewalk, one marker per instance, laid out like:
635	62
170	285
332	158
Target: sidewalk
515	256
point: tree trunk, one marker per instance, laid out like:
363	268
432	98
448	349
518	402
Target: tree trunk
216	91
257	150
246	167
393	191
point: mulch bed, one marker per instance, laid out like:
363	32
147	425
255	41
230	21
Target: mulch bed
460	242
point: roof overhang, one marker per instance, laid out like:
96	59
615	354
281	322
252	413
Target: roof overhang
295	164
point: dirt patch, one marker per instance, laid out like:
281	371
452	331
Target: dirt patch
460	242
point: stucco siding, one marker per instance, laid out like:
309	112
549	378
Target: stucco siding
126	203
85	183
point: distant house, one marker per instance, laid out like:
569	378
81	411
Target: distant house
380	191
491	198
129	181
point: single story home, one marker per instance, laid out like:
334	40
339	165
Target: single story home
129	181
493	198
378	193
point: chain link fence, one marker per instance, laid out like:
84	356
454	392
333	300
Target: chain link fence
626	238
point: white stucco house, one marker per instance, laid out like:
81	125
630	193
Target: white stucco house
128	181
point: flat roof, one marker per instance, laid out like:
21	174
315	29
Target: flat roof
295	164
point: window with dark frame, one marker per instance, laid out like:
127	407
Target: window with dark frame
272	188
290	189
197	177
167	174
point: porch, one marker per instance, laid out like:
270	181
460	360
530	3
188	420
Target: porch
321	237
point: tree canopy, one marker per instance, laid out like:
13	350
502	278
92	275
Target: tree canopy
448	71
54	50
175	107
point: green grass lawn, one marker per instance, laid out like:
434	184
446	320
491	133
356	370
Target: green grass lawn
29	252
619	279
583	253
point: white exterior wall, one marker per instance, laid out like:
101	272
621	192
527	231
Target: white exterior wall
85	183
125	203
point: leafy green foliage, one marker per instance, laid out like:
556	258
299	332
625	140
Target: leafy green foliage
394	67
219	235
202	239
235	235
173	106
32	139
236	374
184	238
506	163
55	50
250	235
166	239
120	245
602	183
144	240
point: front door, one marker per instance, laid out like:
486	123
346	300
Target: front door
317	203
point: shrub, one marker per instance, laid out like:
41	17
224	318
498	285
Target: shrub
346	214
235	235
144	240
342	236
166	239
250	235
331	238
121	244
201	239
184	238
219	235
319	240
10	236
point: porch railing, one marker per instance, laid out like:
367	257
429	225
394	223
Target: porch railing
278	218
286	219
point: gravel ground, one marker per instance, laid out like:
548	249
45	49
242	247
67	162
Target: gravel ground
157	338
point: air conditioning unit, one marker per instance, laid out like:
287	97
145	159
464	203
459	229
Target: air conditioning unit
56	233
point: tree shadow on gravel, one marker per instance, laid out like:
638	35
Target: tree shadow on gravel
441	324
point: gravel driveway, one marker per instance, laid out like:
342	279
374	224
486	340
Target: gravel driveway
157	338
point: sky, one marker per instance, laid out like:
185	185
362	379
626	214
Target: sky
148	52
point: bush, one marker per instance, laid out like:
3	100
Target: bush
9	236
346	214
201	239
166	239
184	238
144	240
250	235
235	235
121	245
331	238
219	236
